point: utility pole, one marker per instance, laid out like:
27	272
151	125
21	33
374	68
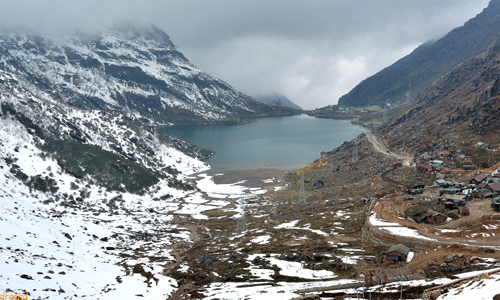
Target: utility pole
385	111
242	223
355	151
408	94
302	193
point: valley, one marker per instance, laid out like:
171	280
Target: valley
98	201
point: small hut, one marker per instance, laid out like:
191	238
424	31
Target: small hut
396	254
464	211
433	217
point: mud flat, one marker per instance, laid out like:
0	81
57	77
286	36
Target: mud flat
254	178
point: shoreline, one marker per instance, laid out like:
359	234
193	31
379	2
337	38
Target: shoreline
253	178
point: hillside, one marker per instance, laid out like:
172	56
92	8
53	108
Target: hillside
428	62
277	98
456	112
134	69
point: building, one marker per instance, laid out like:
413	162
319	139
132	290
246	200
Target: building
437	163
433	217
379	277
479	178
396	254
397	164
485	146
423	168
494	187
464	211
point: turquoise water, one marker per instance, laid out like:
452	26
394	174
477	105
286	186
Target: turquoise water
283	142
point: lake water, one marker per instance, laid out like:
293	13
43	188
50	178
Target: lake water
283	142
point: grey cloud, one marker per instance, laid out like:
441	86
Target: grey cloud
311	51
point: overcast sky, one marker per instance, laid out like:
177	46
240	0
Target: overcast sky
311	51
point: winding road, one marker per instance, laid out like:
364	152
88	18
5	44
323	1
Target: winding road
380	147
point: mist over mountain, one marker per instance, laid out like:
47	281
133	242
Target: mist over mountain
428	62
278	99
134	69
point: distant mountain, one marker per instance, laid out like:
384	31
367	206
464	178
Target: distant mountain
277	98
133	69
429	61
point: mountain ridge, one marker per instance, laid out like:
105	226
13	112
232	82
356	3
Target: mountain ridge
136	70
428	62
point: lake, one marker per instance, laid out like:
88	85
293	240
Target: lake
286	143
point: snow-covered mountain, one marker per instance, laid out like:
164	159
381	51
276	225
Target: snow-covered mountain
79	186
133	69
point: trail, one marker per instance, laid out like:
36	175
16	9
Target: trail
380	147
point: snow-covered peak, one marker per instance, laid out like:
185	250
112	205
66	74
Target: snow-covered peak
133	69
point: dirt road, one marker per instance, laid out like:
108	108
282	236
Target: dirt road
380	147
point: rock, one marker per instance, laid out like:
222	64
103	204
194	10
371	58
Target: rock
50	272
67	236
62	273
24	276
61	291
138	269
47	277
448	259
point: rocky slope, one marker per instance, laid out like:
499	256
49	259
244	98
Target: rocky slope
136	70
429	61
456	112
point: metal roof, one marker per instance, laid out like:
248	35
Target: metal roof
399	248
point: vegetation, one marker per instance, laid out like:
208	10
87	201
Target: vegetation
106	168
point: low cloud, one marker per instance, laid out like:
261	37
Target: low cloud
313	52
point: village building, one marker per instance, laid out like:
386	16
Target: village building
445	154
494	187
433	217
479	178
396	254
464	211
485	146
483	193
423	168
441	182
436	163
449	162
496	173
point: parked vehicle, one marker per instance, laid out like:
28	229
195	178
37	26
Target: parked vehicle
417	191
495	203
447	191
459	202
